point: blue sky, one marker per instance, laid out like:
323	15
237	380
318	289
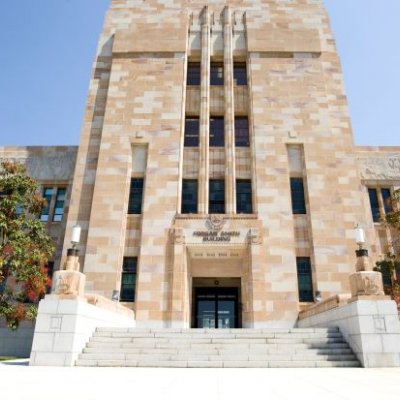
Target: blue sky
48	47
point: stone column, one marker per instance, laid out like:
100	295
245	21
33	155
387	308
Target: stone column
229	120
254	248
204	113
178	280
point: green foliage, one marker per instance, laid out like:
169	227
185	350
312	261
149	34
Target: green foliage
390	265
390	269
25	247
392	219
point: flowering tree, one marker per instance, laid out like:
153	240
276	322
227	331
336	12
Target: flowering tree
390	265
25	247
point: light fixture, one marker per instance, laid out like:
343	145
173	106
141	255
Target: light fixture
360	236
76	236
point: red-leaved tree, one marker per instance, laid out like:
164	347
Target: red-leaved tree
25	247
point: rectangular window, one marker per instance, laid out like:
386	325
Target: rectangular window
242	132
50	271
297	194
244	202
217	132
135	196
240	74
191	132
387	200
59	207
304	279
193	74
47	195
386	277
189	196
216	204
217	74
373	199
128	281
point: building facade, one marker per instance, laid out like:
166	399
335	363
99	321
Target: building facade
216	181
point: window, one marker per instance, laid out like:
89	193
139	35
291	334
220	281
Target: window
135	196
242	132
217	74
189	196
191	132
216	204
193	74
304	279
59	207
47	195
240	74
387	200
373	199
50	271
128	281
243	196
386	276
217	132
297	194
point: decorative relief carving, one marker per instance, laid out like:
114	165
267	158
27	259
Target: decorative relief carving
254	236
215	222
177	235
70	283
380	167
52	165
366	283
47	163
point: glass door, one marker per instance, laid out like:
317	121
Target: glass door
216	308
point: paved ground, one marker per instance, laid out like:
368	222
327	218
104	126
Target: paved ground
19	382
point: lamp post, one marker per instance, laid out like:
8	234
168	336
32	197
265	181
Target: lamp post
364	282
73	253
70	282
361	253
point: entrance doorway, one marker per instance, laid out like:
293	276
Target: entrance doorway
216	307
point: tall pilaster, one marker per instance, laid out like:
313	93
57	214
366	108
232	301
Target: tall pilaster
230	172
204	112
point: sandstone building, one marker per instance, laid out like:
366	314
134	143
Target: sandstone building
216	181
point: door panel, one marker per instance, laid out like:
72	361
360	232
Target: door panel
216	308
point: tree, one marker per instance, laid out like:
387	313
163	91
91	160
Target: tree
392	218
390	265
25	247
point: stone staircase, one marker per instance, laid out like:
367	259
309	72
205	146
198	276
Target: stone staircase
235	348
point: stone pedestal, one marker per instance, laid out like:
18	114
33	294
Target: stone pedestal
65	325
366	283
362	260
370	326
70	281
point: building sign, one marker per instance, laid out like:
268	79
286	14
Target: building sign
216	236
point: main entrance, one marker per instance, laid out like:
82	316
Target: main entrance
216	307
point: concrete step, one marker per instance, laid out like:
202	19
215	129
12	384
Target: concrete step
213	335
216	364
217	331
217	348
214	340
217	357
300	353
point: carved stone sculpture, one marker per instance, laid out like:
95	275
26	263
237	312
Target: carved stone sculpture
70	281
366	283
